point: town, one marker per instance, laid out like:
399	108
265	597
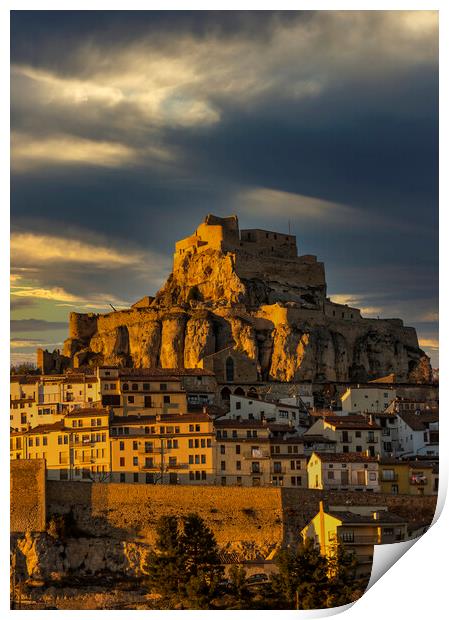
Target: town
240	406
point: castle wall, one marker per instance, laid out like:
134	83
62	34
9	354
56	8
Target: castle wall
241	518
27	496
258	241
82	326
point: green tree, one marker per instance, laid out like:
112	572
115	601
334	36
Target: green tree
199	548
165	564
201	589
344	586
302	581
185	565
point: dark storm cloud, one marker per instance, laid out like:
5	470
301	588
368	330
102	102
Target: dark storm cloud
135	125
32	325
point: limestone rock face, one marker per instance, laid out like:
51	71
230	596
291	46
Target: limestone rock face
172	343
199	340
249	292
145	343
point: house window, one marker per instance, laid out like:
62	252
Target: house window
163	387
238	405
222	449
223	465
122	477
166	399
122	461
229	369
131	399
135	477
237	449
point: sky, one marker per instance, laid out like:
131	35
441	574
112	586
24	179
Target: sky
128	127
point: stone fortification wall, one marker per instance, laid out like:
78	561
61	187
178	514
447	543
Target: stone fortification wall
249	520
27	496
241	518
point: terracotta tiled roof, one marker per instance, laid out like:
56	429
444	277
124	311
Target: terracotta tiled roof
351	422
164	372
86	412
385	517
166	418
419	422
345	457
45	428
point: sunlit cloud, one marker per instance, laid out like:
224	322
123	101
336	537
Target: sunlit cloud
28	152
29	247
429	343
274	203
23	343
54	294
357	301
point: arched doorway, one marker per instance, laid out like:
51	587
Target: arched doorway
239	392
225	393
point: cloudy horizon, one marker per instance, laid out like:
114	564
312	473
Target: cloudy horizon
129	127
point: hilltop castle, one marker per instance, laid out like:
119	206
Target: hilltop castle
243	304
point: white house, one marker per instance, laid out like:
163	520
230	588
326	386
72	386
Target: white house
244	408
370	399
418	434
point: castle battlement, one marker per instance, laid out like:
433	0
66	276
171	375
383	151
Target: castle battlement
223	234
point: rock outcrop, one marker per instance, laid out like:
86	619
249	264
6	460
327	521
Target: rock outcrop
248	291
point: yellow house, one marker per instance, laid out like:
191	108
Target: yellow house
259	453
163	449
75	448
145	391
357	528
408	477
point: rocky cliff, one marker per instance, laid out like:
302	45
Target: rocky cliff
248	291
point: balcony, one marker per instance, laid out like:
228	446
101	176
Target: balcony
346	440
389	478
85	460
178	466
418	480
255	454
154	450
372	440
150	467
359	540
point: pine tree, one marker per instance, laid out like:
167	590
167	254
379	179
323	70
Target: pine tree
344	587
185	565
166	563
302	581
199	545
